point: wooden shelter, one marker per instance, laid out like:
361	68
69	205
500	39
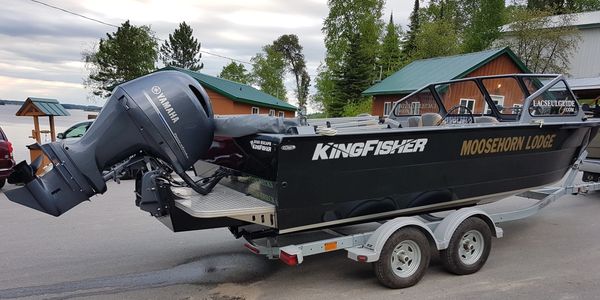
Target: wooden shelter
41	107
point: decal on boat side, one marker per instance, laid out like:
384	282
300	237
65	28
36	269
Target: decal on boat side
261	145
164	102
374	147
507	144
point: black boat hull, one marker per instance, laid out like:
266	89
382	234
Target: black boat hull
455	167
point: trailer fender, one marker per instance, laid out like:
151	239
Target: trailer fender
371	251
445	229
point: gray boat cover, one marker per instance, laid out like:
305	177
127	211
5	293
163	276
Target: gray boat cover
237	126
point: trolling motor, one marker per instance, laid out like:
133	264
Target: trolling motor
166	115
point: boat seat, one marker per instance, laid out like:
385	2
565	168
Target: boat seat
430	119
414	121
486	119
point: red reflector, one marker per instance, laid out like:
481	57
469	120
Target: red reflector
252	248
288	259
361	258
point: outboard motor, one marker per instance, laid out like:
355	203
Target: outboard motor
166	115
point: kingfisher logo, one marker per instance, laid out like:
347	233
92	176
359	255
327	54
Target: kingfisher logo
371	147
164	102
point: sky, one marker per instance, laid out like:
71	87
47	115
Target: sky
41	48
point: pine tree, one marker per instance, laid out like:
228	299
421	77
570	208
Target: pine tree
410	45
126	54
348	20
182	49
236	72
391	54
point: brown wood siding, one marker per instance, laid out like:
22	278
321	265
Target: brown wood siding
225	106
468	90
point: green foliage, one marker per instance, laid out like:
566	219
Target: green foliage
236	72
544	46
438	38
354	109
346	18
182	49
391	54
353	77
322	99
483	28
126	54
564	6
352	32
268	71
410	45
289	46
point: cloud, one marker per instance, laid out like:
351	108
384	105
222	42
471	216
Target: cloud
41	47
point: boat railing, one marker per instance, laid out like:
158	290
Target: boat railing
543	98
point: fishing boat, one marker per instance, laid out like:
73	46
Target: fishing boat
446	146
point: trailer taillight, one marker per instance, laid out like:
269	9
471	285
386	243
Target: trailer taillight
252	248
361	258
288	259
10	147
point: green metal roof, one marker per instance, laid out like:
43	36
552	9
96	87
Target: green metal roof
50	107
236	91
422	72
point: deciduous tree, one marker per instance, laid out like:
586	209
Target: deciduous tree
544	44
236	72
485	18
268	71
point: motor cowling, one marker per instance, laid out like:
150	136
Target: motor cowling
166	114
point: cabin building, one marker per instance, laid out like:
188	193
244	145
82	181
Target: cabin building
425	71
234	98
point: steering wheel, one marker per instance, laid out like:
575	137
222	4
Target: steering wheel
456	107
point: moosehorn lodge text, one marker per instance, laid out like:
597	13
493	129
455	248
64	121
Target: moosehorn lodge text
507	144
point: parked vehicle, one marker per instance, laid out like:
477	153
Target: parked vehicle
75	131
7	161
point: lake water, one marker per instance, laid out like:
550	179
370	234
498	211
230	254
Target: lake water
18	129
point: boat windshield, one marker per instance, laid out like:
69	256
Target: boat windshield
500	97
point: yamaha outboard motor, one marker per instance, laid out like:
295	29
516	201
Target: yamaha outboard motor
166	115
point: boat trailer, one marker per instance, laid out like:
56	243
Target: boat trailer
400	248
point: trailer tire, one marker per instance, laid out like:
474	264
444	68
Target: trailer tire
469	247
404	259
2	182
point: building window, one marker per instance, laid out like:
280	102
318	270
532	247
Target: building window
516	109
387	108
255	111
469	103
498	100
271	112
281	114
415	108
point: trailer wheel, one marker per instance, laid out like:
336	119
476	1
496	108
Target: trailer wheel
404	259
469	247
2	182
